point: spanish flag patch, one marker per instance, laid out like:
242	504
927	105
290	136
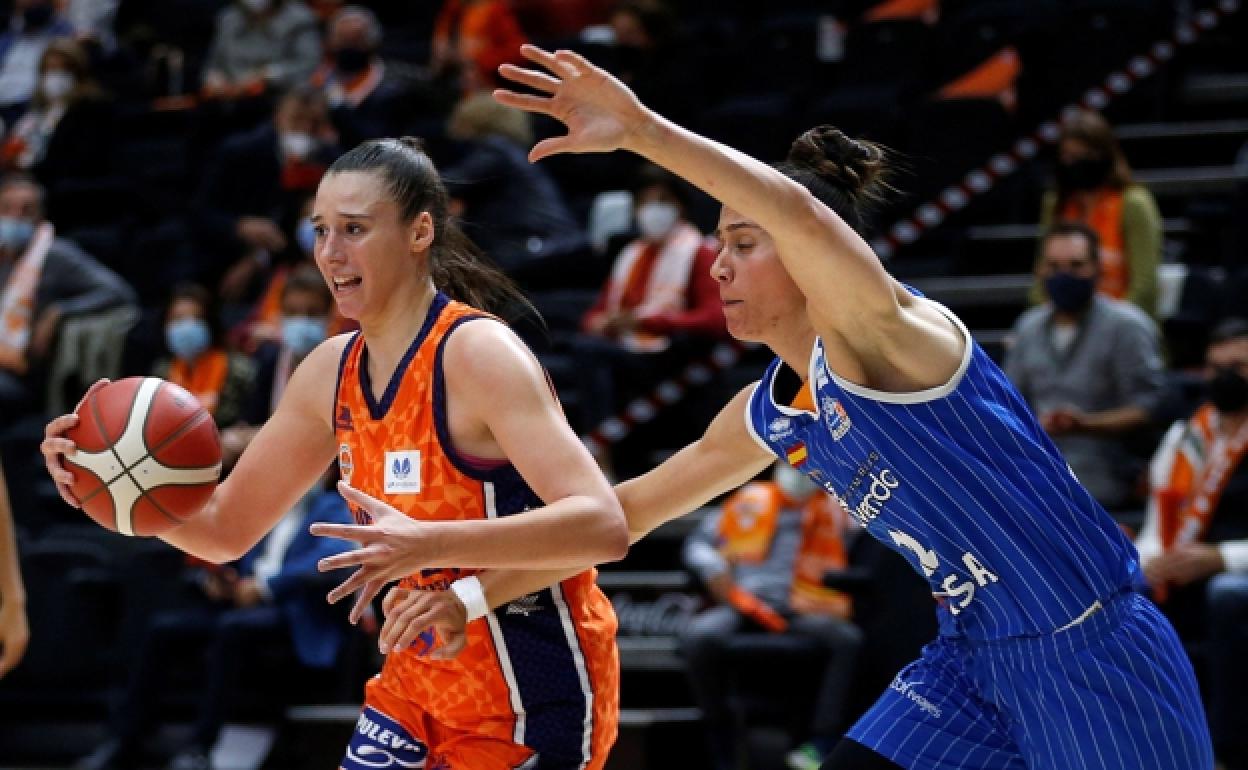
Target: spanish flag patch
796	454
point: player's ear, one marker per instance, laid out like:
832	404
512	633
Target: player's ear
421	232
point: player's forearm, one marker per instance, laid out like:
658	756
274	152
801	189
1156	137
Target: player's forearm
11	588
222	531
503	586
574	532
782	207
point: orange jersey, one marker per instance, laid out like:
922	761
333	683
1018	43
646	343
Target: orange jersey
542	671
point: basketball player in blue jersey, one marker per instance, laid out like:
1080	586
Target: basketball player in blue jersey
1048	658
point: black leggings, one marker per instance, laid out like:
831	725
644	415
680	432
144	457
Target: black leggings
852	755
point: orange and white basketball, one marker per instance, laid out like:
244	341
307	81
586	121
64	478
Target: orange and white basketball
148	456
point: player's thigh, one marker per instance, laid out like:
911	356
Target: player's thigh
1127	700
481	752
931	718
389	733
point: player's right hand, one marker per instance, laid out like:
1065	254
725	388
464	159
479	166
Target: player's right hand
411	613
600	112
54	446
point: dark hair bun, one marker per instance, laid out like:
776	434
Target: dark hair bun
854	165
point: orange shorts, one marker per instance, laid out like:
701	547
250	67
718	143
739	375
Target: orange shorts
393	732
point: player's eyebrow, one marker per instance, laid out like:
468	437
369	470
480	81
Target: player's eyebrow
344	215
719	231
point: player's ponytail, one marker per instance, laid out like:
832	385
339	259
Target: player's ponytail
850	176
456	265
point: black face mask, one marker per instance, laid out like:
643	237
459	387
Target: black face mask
1228	390
1069	292
1083	174
37	16
350	60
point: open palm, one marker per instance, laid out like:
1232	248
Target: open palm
598	110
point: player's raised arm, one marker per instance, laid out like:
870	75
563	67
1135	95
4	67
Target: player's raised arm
849	294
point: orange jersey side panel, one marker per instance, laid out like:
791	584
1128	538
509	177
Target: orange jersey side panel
542	671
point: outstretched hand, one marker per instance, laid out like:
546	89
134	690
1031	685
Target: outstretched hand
393	546
599	111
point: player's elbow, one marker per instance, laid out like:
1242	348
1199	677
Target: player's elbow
614	536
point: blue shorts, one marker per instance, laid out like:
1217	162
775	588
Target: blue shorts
1114	692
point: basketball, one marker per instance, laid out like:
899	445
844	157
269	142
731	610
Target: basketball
148	456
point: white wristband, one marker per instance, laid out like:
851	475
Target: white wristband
472	595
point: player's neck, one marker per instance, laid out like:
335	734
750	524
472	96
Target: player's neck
389	332
794	348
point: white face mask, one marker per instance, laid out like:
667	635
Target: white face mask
656	219
793	483
56	86
297	145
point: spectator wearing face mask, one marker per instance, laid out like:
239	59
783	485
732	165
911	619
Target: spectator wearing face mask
33	25
221	381
306	320
251	195
43	281
1194	542
368	98
261	45
67	131
659	306
1094	187
1088	365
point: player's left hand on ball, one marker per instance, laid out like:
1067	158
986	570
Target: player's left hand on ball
391	547
410	613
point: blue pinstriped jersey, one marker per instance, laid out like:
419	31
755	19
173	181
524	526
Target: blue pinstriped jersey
963	482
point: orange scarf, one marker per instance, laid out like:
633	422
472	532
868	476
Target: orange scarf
1204	462
17	298
1104	215
205	379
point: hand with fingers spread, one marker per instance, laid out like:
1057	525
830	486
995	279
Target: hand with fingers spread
599	111
391	547
55	446
409	614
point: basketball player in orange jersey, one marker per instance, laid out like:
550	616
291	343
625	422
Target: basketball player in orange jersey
412	407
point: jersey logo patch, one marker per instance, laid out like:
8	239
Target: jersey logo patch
343	421
345	464
835	417
403	472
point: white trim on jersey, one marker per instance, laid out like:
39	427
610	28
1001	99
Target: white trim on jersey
500	644
749	420
582	671
914	397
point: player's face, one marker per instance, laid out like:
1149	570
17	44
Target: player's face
362	248
760	299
